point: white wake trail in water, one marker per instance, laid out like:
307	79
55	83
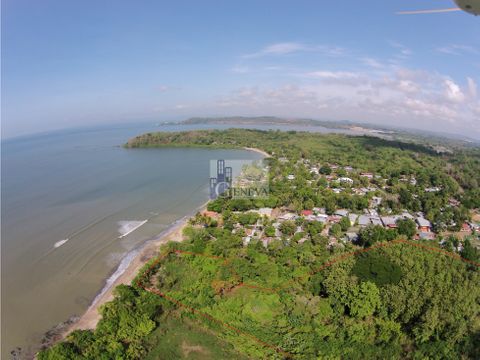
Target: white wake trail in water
127	227
60	243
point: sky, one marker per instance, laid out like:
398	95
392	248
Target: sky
82	63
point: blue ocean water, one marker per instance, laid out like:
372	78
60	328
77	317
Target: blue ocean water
67	199
70	200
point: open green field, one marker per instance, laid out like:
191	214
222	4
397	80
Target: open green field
182	339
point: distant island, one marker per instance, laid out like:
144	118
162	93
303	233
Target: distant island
439	141
265	120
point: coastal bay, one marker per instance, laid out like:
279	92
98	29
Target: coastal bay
67	197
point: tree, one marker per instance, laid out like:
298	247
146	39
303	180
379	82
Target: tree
322	183
374	233
325	170
309	204
248	218
336	230
364	300
314	227
406	227
288	227
270	231
469	252
344	223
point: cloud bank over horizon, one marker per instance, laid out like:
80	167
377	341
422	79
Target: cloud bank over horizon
379	91
167	62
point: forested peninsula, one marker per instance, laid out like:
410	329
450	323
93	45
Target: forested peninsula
364	248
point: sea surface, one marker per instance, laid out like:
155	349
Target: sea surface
75	207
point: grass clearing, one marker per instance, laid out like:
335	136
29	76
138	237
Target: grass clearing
181	339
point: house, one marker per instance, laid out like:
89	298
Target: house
337	191
288	216
307	212
341	212
367	175
359	192
425	236
323	218
465	227
389	221
278	233
432	189
373	212
376	221
407	215
348	168
291	177
314	170
353	218
345	180
332	241
454	202
265	212
334	219
267	241
351	236
211	214
364	220
376	201
474	226
424	225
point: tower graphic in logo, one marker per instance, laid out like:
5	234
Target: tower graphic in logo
222	182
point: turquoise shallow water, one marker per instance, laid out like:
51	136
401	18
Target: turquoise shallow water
81	185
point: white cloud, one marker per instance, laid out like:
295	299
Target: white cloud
239	69
453	91
384	91
403	97
283	48
374	63
472	88
278	49
336	75
286	48
457	49
404	52
163	88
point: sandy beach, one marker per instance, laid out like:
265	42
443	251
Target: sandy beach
149	250
264	153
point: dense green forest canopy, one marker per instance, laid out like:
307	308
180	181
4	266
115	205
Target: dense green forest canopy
384	297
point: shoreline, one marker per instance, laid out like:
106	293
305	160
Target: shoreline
146	251
136	259
264	153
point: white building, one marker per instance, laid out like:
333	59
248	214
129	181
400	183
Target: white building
345	180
